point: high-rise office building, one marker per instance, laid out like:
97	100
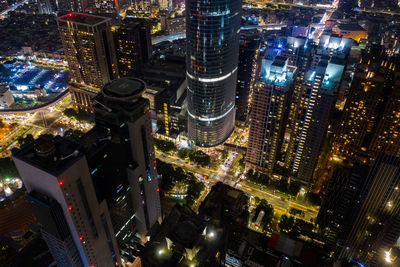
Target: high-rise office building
107	6
127	43
141	5
270	101
248	56
132	41
388	128
122	117
113	168
308	117
370	118
166	4
212	33
47	6
74	224
90	52
342	202
66	6
376	227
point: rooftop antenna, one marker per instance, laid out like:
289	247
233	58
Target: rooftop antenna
105	138
73	154
104	106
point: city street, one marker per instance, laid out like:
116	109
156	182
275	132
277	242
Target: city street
50	121
279	201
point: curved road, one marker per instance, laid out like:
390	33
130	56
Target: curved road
44	106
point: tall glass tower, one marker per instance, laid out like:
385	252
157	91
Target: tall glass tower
212	32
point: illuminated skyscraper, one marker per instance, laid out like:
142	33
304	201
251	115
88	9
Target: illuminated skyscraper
371	113
123	117
107	6
342	202
47	6
75	225
66	6
376	228
89	48
271	96
165	4
249	50
308	117
133	44
212	33
96	196
141	5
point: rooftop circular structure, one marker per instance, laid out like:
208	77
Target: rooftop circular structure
186	232
124	89
44	147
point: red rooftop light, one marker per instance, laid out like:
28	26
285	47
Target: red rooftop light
80	238
69	207
60	182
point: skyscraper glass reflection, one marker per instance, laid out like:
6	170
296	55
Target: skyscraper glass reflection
212	32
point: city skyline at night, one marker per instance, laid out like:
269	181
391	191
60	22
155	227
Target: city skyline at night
199	133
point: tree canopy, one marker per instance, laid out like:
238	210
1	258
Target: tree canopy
79	115
164	145
171	176
196	156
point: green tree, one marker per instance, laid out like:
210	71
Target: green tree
74	134
7	168
283	184
224	154
249	174
26	140
84	116
79	115
315	199
200	158
286	223
193	192
166	171
242	161
264	179
69	112
164	145
184	153
179	175
294	187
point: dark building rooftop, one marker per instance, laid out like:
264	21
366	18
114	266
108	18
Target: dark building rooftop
180	232
88	19
225	205
351	27
280	61
124	89
51	154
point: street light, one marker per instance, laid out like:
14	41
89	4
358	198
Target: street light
211	234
